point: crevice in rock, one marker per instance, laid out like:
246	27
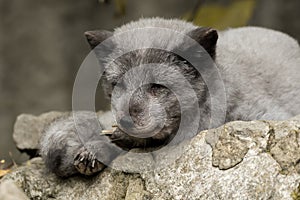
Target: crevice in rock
271	138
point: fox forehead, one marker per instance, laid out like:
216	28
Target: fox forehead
160	33
142	57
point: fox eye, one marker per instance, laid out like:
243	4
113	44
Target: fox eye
156	89
114	83
156	86
119	84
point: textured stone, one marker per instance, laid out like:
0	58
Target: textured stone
239	160
284	145
28	129
10	191
232	141
38	184
134	161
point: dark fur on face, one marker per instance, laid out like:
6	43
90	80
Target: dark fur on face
152	102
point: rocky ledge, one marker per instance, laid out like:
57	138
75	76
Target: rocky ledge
239	160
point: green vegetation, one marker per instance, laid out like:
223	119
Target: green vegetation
219	16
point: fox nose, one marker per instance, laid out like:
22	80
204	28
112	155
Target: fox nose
126	122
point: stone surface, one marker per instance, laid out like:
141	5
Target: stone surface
10	191
284	145
232	141
240	160
28	129
109	184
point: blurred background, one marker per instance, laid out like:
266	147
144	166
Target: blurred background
42	44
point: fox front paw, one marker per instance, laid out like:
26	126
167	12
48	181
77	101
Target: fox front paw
86	162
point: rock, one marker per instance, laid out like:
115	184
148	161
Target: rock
239	160
109	184
10	191
232	142
284	145
134	161
28	129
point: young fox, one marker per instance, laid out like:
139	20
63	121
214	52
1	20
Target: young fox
260	70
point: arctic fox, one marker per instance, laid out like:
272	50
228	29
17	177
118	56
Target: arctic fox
260	70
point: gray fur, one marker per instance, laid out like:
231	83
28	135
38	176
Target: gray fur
263	67
62	144
260	69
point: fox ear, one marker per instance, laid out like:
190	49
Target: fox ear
96	37
207	38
